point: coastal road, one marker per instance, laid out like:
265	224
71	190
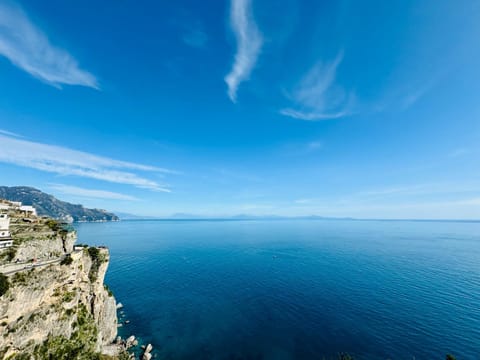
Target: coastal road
11	269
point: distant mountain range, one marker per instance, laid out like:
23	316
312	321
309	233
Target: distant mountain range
242	217
48	205
187	216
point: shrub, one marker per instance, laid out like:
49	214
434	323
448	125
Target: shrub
32	317
110	293
20	278
4	284
81	344
9	254
69	312
97	260
68	296
21	357
53	224
93	252
67	260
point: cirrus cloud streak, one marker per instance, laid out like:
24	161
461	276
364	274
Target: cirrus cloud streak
91	193
65	161
318	97
249	43
28	48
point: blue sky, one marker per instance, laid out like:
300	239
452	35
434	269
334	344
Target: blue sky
291	107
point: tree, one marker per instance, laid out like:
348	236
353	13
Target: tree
450	357
4	284
67	260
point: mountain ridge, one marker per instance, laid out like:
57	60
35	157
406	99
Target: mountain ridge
48	205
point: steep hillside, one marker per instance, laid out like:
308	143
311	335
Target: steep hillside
50	206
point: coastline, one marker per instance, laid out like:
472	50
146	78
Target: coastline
54	298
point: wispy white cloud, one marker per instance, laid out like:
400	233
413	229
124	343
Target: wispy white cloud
414	95
9	133
91	193
28	48
249	44
318	97
65	161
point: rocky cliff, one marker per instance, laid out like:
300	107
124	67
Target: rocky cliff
57	306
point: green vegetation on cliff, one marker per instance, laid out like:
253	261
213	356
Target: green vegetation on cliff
97	259
80	345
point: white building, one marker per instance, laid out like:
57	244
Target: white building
4	222
6	243
28	209
5	237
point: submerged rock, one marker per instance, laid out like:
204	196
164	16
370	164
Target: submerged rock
130	341
147	354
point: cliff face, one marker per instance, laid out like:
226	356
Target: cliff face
38	239
58	309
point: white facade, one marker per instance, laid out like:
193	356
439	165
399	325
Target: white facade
28	209
5	236
4	222
6	243
16	204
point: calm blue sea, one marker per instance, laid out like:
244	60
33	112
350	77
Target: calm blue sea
302	289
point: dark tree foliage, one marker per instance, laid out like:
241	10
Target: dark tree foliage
67	260
93	252
4	284
97	260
